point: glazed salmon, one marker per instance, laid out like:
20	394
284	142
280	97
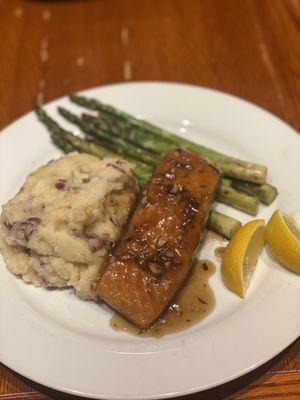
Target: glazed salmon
156	252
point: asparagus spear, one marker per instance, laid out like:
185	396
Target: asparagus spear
65	145
231	196
265	192
94	104
130	133
68	142
224	225
230	166
240	200
116	144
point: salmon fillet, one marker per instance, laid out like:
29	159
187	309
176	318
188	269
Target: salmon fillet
152	260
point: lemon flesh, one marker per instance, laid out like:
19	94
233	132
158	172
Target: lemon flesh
241	255
283	238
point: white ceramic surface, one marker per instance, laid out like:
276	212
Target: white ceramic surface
55	339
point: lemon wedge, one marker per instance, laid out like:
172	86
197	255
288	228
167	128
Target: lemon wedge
241	255
283	237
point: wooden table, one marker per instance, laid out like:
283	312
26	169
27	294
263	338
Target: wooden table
250	48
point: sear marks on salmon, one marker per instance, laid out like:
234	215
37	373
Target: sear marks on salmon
156	252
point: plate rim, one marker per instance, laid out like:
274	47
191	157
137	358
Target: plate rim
155	397
164	83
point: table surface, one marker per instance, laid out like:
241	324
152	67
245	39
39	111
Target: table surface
250	48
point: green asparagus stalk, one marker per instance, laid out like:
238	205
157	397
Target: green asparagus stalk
240	200
225	194
221	223
230	166
68	142
65	145
265	192
116	144
133	134
96	105
56	130
231	196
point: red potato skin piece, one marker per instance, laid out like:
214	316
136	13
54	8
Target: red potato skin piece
162	236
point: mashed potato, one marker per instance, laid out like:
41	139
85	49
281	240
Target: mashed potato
58	229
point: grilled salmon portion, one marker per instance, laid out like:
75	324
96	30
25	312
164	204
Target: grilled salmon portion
156	252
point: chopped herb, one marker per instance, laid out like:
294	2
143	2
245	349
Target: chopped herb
201	301
113	222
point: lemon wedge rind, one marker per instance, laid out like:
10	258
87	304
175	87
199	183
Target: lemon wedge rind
241	255
283	238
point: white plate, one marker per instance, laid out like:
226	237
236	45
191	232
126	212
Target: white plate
57	340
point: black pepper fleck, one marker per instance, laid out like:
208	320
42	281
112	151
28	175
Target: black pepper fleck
204	266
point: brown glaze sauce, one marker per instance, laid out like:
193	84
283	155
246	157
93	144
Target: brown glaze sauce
219	252
192	304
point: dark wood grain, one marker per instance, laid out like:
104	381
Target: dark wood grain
250	48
